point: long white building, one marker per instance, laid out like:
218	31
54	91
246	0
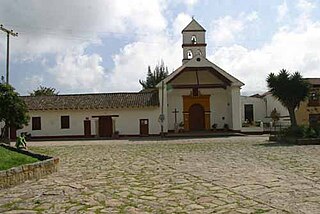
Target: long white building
197	96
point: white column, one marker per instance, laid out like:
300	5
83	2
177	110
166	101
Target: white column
163	105
235	108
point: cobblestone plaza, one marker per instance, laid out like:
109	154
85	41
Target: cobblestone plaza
210	175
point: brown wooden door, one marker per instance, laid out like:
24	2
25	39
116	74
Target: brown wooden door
196	117
13	133
144	127
87	128
105	126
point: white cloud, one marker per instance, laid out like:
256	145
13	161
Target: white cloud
132	62
180	22
290	49
190	3
282	11
253	16
306	6
34	80
227	29
51	27
64	28
79	71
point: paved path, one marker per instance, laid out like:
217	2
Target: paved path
212	175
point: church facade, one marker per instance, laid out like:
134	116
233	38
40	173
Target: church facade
203	94
197	96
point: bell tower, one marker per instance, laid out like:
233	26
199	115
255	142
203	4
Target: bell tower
193	41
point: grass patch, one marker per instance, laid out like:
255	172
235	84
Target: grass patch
10	159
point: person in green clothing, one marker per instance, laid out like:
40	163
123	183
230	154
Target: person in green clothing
21	142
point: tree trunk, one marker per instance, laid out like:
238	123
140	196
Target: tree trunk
5	134
292	117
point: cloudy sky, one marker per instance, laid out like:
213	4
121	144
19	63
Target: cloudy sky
79	46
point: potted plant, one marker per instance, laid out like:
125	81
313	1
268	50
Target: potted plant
115	135
181	127
214	127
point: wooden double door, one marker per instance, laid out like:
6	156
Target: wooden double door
105	126
196	117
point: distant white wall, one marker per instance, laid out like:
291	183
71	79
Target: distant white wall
262	108
272	103
259	108
127	123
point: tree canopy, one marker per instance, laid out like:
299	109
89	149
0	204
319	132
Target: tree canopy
13	111
44	91
289	89
153	78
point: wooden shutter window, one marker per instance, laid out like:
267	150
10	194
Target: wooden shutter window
65	122
36	123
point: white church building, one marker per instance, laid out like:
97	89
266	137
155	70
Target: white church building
197	96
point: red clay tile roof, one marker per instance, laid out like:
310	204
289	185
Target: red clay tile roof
92	101
313	81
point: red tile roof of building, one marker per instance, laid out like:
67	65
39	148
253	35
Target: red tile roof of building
92	101
313	81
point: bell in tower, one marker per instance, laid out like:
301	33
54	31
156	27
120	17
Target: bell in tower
193	41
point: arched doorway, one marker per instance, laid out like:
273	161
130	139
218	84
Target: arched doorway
196	117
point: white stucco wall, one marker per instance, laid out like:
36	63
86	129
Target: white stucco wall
219	100
236	109
272	103
220	107
262	108
127	123
259	108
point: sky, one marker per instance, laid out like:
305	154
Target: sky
80	46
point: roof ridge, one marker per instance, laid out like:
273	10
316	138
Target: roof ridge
111	93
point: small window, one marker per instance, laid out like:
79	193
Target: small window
195	92
314	120
314	96
36	123
314	99
189	54
65	122
194	39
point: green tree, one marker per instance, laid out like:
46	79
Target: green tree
44	91
289	89
153	78
13	111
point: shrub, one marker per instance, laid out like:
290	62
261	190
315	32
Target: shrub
300	132
292	132
309	133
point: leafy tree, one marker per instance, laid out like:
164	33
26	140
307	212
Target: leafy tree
13	111
44	91
153	78
289	89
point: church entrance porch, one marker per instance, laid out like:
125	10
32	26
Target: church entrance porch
196	112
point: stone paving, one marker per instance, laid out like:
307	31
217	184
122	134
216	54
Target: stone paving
211	175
